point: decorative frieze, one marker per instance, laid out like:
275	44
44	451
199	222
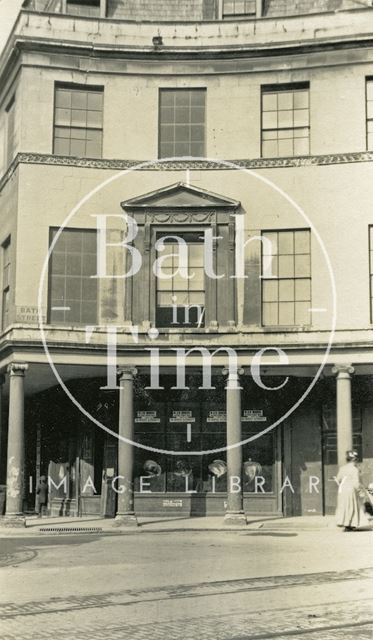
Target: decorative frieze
180	165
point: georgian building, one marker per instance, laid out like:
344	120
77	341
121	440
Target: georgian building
231	139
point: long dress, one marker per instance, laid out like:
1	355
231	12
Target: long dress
349	511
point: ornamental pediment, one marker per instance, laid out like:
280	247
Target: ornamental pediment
180	196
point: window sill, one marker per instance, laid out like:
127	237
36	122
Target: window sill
287	328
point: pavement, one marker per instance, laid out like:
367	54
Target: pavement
93	524
280	579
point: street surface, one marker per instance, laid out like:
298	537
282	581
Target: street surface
218	585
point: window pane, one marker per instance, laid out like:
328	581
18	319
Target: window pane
301	118
302	290
182	114
301	146
63	117
63	98
302	241
286	242
270	314
286	313
198	115
95	100
285	100
302	313
269	243
286	290
285	119
62	147
285	147
286	267
94	118
270	120
196	255
269	101
302	266
182	98
79	99
270	149
182	134
301	100
270	291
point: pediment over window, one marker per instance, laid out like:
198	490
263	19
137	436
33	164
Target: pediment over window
180	196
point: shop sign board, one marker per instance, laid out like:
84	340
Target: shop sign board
147	416
253	415
172	503
217	416
182	416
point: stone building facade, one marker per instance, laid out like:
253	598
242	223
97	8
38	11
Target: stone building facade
238	134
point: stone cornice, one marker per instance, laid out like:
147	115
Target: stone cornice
182	165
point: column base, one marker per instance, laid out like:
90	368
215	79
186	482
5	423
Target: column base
13	522
235	518
125	520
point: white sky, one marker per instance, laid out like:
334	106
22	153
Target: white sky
8	14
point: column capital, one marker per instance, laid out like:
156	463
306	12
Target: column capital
127	373
343	370
233	372
17	369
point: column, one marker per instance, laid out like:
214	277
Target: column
15	463
344	410
234	513
125	515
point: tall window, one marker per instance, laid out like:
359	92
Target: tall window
182	122
5	284
286	278
370	114
72	290
239	8
10	125
181	301
90	8
371	270
285	121
78	121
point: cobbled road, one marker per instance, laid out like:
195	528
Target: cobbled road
319	605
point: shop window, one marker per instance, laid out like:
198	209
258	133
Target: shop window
286	278
285	121
180	300
10	128
5	284
182	122
236	8
72	289
88	8
78	121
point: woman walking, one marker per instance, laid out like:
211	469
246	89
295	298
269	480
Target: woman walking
349	510
42	493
